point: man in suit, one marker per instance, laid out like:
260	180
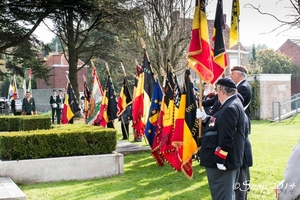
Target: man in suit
239	76
28	105
53	103
223	141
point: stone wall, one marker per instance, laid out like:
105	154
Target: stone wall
42	98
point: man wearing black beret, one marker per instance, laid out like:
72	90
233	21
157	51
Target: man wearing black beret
223	141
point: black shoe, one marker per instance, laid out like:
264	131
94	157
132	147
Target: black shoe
124	138
138	140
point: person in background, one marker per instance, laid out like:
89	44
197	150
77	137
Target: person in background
223	139
53	103
242	186
239	76
28	105
125	119
60	105
289	187
6	107
13	105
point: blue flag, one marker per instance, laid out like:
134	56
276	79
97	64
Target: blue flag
153	113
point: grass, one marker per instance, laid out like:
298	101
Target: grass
143	179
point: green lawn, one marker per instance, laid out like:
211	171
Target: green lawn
143	179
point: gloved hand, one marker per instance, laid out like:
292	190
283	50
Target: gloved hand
201	114
221	166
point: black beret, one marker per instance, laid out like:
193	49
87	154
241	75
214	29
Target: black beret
227	82
239	68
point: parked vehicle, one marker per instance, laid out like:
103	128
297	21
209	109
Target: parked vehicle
4	106
18	107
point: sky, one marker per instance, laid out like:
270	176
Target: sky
255	28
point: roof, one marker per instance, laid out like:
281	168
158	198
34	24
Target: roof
59	60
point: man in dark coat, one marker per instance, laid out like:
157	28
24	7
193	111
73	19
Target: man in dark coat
223	141
239	76
53	103
28	105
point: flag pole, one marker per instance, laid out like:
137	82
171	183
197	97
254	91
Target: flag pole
122	118
199	103
239	43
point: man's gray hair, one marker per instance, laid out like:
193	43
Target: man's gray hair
228	90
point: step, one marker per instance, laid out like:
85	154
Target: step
9	190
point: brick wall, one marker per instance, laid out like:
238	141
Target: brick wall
292	50
273	88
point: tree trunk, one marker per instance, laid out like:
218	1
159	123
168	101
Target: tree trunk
72	57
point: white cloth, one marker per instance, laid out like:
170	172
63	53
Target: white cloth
201	114
289	188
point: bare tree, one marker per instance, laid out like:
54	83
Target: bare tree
168	29
284	24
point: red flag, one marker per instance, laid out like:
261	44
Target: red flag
218	48
199	54
87	95
138	108
166	148
185	124
109	108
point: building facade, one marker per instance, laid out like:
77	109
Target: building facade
291	48
59	68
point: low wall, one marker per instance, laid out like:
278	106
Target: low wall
63	168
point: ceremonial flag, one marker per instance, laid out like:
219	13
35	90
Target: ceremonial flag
125	98
218	47
138	108
154	110
235	13
200	59
87	95
71	105
95	99
29	84
166	147
24	88
148	86
109	105
136	80
186	124
14	88
10	91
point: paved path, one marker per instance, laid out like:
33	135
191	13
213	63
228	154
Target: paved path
9	190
